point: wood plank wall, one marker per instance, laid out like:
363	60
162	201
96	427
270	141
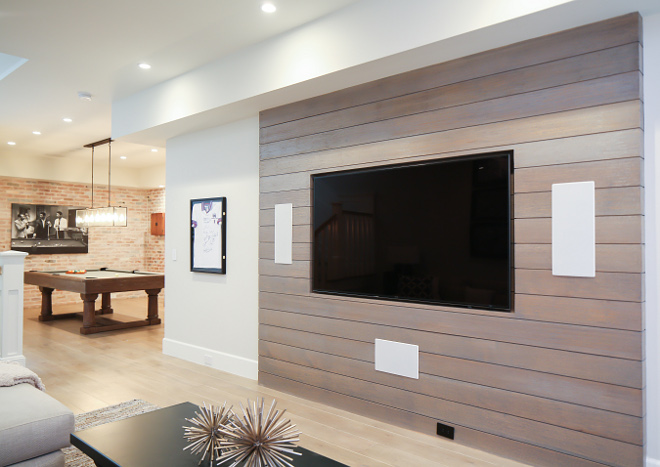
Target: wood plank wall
559	380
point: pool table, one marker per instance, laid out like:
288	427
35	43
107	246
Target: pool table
89	285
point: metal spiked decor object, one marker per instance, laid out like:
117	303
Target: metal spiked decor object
205	436
260	439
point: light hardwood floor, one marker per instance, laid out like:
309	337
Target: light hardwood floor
90	372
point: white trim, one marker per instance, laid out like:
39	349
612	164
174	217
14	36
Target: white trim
219	360
17	358
651	59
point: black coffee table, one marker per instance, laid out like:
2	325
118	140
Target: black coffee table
156	438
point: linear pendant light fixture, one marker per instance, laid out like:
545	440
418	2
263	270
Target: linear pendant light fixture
110	216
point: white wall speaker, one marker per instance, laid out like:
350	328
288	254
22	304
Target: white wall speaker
574	229
397	358
284	233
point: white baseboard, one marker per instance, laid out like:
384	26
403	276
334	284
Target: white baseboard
16	358
212	358
650	462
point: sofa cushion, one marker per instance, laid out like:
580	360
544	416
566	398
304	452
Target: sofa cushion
31	423
54	459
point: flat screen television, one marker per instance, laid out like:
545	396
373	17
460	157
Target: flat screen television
434	232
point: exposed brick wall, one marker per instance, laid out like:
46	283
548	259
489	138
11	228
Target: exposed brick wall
154	259
127	248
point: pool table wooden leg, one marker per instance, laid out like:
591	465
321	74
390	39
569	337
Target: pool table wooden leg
46	304
89	312
106	306
152	307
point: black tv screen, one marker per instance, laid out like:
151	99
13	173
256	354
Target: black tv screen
435	232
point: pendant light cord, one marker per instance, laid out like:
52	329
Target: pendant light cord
109	170
92	176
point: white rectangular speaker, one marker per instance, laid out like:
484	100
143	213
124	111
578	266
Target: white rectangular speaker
284	233
397	358
574	229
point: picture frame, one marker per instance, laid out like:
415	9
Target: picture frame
43	229
208	235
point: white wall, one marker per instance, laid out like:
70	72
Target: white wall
148	177
322	56
210	316
652	206
80	171
323	48
46	168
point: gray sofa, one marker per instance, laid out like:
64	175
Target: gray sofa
33	427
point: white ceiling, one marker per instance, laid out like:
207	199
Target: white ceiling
95	47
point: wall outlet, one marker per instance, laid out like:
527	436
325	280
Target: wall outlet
208	360
445	431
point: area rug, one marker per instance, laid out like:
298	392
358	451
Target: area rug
74	457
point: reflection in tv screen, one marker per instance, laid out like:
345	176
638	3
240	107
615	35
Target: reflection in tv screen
435	232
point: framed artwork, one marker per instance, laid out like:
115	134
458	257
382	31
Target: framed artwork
40	229
208	235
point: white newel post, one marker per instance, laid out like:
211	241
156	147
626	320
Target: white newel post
11	306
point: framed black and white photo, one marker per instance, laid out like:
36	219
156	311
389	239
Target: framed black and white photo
208	235
40	229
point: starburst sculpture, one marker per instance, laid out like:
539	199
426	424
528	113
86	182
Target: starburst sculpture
260	439
205	436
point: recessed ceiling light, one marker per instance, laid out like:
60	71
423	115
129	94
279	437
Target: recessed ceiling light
122	157
154	150
161	186
11	143
268	8
67	120
144	66
36	132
